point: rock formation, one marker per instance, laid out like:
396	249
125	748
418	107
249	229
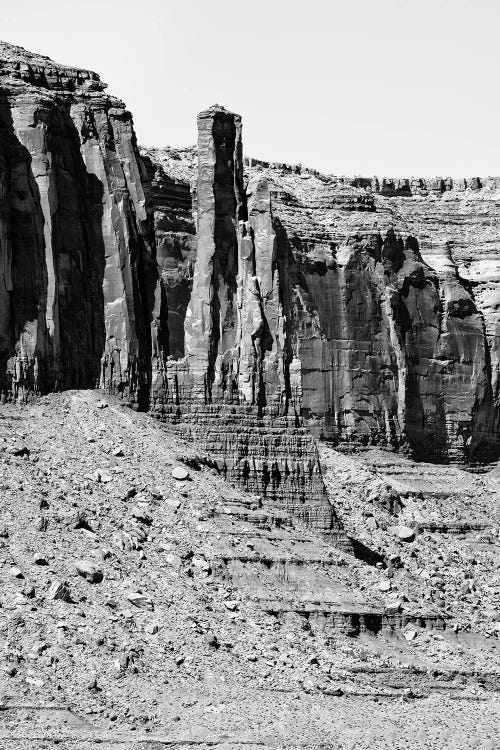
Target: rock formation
232	386
77	249
387	337
254	303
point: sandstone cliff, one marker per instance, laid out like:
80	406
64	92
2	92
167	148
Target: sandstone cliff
77	251
389	297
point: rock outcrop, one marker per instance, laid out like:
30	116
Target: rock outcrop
387	337
78	270
232	386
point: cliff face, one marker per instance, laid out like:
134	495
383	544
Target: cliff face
272	297
418	370
384	328
76	243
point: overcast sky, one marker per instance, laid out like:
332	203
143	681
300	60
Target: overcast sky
388	87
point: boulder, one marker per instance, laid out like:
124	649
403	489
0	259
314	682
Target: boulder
89	571
180	473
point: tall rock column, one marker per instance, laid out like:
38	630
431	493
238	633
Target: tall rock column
210	326
261	320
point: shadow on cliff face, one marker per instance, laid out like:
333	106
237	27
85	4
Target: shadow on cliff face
53	251
24	278
79	253
448	369
174	233
287	272
225	261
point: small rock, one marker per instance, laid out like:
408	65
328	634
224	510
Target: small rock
231	605
16	572
39	559
405	533
59	590
151	628
88	570
132	492
384	585
140	600
200	562
100	476
211	639
118	452
410	635
180	473
42	523
334	691
174	560
141	515
19	450
172	502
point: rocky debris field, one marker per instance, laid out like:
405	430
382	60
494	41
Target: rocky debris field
437	527
144	600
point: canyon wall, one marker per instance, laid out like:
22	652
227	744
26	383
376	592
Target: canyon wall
389	298
272	299
77	262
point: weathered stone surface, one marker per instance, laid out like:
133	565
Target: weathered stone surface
232	389
441	400
211	318
386	337
174	201
78	271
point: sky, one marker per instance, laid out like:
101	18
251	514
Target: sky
349	87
